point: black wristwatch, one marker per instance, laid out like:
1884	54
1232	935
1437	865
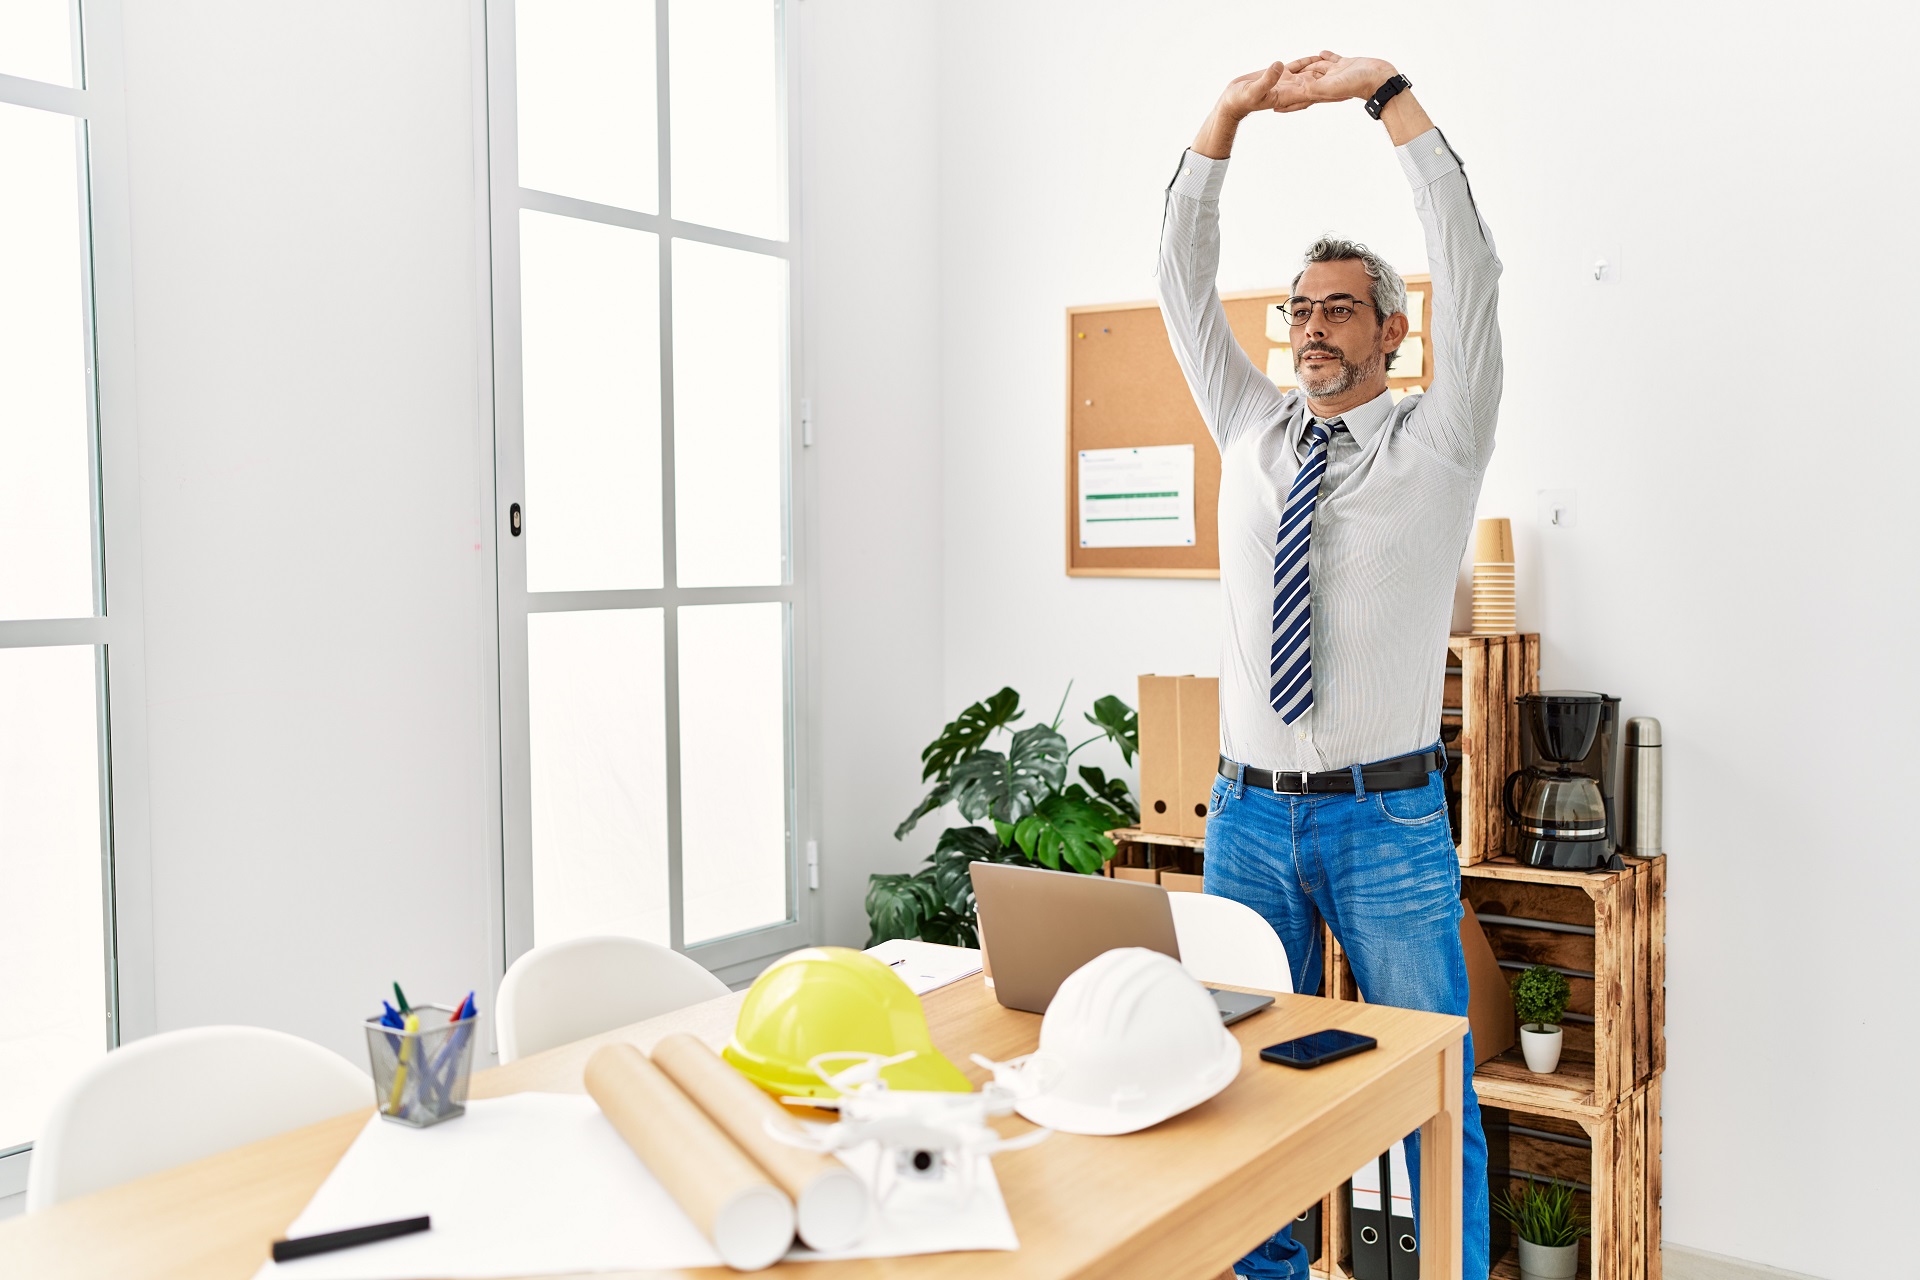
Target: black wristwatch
1384	94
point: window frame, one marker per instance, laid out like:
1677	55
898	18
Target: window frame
736	956
115	632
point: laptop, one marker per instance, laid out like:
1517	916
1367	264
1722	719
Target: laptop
1039	926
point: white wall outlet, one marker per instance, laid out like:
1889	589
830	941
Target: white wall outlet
1559	508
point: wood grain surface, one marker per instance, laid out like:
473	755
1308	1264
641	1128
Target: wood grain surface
1182	1199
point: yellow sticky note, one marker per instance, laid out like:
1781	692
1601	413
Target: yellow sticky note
1412	359
1278	330
1280	367
1416	304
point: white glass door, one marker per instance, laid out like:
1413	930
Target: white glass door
73	880
650	596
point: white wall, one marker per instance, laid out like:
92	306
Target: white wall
1740	566
872	356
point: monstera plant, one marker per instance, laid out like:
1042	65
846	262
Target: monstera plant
1021	807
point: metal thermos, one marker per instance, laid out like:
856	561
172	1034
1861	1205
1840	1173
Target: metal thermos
1640	817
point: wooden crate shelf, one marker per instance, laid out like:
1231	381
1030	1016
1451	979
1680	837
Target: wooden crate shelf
1613	1160
1481	729
1607	931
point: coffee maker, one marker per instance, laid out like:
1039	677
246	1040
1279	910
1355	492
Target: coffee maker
1564	809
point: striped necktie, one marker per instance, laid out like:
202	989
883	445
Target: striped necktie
1292	668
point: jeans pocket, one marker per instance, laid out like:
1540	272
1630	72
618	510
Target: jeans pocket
1414	807
1218	799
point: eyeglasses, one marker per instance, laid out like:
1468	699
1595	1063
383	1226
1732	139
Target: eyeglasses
1338	308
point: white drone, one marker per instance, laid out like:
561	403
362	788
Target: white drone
919	1135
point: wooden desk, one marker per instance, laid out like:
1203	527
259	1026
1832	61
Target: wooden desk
1184	1199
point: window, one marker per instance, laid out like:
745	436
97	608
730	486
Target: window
71	883
650	597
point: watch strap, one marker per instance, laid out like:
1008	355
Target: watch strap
1384	94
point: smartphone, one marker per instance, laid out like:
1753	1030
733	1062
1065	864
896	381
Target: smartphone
1321	1046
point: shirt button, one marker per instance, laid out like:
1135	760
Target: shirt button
1300	734
1187	171
1439	151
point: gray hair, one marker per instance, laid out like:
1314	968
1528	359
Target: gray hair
1389	290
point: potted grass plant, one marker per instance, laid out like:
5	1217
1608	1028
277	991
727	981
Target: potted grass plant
1540	998
1549	1223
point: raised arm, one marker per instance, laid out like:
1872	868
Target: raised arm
1230	390
1456	416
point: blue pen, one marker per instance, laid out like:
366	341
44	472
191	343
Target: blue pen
451	1049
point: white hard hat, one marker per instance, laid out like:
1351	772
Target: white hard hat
1134	1040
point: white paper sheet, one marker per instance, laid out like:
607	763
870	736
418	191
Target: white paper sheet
1137	497
541	1184
927	965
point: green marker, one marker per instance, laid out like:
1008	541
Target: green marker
401	996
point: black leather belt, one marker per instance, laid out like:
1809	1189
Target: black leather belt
1402	773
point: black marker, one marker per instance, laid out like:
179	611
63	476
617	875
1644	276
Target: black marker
307	1246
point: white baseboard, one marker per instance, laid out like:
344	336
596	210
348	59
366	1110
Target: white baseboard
1681	1263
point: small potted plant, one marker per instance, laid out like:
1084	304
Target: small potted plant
1540	1000
1549	1224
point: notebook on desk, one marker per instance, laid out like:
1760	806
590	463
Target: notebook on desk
1039	926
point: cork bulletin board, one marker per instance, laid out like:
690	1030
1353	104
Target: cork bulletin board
1124	390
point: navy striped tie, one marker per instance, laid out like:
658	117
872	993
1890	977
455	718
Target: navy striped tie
1292	669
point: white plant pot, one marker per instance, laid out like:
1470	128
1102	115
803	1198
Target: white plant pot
1548	1262
1541	1045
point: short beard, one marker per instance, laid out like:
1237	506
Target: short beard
1350	375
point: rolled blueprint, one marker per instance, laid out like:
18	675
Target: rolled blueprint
729	1197
832	1202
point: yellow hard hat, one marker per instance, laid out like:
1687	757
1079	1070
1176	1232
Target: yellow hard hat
834	1000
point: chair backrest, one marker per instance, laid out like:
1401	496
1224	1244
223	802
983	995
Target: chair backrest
569	990
179	1096
1226	941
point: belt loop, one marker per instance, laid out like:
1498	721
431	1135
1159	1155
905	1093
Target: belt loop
1359	785
1240	781
1442	747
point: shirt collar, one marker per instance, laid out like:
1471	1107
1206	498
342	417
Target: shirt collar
1364	421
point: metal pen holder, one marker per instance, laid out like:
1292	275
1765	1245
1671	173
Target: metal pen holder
420	1078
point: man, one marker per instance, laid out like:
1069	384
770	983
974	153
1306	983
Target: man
1343	517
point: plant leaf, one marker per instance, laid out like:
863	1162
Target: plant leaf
941	793
967	732
1006	788
958	850
1067	829
899	906
1112	790
1119	722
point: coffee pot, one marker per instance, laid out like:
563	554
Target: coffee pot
1564	806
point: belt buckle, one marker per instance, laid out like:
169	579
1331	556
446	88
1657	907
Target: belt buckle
1276	788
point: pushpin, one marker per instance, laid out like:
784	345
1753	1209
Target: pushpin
1079	335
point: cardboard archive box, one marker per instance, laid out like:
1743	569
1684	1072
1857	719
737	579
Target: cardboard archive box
1159	754
1179	752
1198	699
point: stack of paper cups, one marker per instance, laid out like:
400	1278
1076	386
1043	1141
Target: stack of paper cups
1493	597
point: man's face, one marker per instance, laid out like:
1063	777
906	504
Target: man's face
1332	359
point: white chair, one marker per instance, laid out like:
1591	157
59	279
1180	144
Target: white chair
1229	942
569	990
181	1095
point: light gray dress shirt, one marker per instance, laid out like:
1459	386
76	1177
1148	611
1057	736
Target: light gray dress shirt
1396	504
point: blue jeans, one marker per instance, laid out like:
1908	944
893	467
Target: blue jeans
1379	868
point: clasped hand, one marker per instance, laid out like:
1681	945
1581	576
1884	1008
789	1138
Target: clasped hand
1296	85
